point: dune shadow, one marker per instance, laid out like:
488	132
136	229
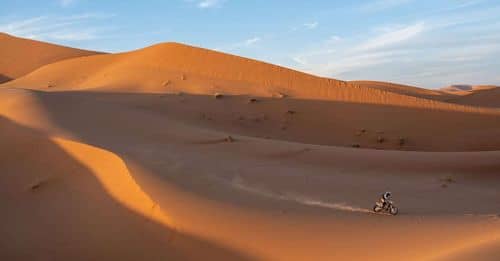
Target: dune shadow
331	123
54	208
136	126
4	78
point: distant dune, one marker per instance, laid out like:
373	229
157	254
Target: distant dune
176	67
386	113
484	96
458	87
466	88
402	89
20	56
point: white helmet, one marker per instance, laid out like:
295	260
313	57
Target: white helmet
387	195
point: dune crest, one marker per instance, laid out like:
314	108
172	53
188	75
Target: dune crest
466	88
401	89
21	56
485	97
173	67
114	176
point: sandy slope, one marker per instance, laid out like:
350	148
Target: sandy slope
465	88
403	89
489	250
126	168
485	97
173	67
21	56
473	95
316	110
258	197
66	200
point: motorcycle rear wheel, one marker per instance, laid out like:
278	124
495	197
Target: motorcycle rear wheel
377	209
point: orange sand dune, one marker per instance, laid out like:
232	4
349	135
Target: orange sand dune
21	56
489	250
173	67
472	95
315	110
457	88
402	89
467	88
484	97
70	201
483	87
253	198
132	156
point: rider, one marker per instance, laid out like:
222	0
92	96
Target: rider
386	198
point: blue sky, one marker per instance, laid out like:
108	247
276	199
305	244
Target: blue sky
420	42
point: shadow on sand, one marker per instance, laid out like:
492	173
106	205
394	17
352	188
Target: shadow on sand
4	78
54	208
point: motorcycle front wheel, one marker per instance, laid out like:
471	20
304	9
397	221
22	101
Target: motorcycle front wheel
394	211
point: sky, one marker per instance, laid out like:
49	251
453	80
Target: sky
427	43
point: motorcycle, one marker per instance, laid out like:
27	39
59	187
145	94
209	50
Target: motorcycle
387	207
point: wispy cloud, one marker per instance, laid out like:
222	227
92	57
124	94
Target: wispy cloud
84	35
206	4
381	5
65	3
63	28
334	38
312	25
305	26
251	41
393	37
427	53
247	43
336	58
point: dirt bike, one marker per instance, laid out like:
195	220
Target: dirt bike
387	207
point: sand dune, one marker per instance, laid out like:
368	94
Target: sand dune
464	88
293	106
403	89
64	208
458	88
489	250
474	95
173	67
21	56
484	97
212	206
132	156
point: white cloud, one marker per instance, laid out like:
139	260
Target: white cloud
428	53
240	45
381	5
87	16
334	39
88	34
393	37
312	25
206	4
21	27
300	60
65	3
251	41
335	56
305	26
62	28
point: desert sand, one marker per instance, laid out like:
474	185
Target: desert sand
174	152
21	56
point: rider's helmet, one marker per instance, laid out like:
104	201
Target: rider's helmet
387	195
